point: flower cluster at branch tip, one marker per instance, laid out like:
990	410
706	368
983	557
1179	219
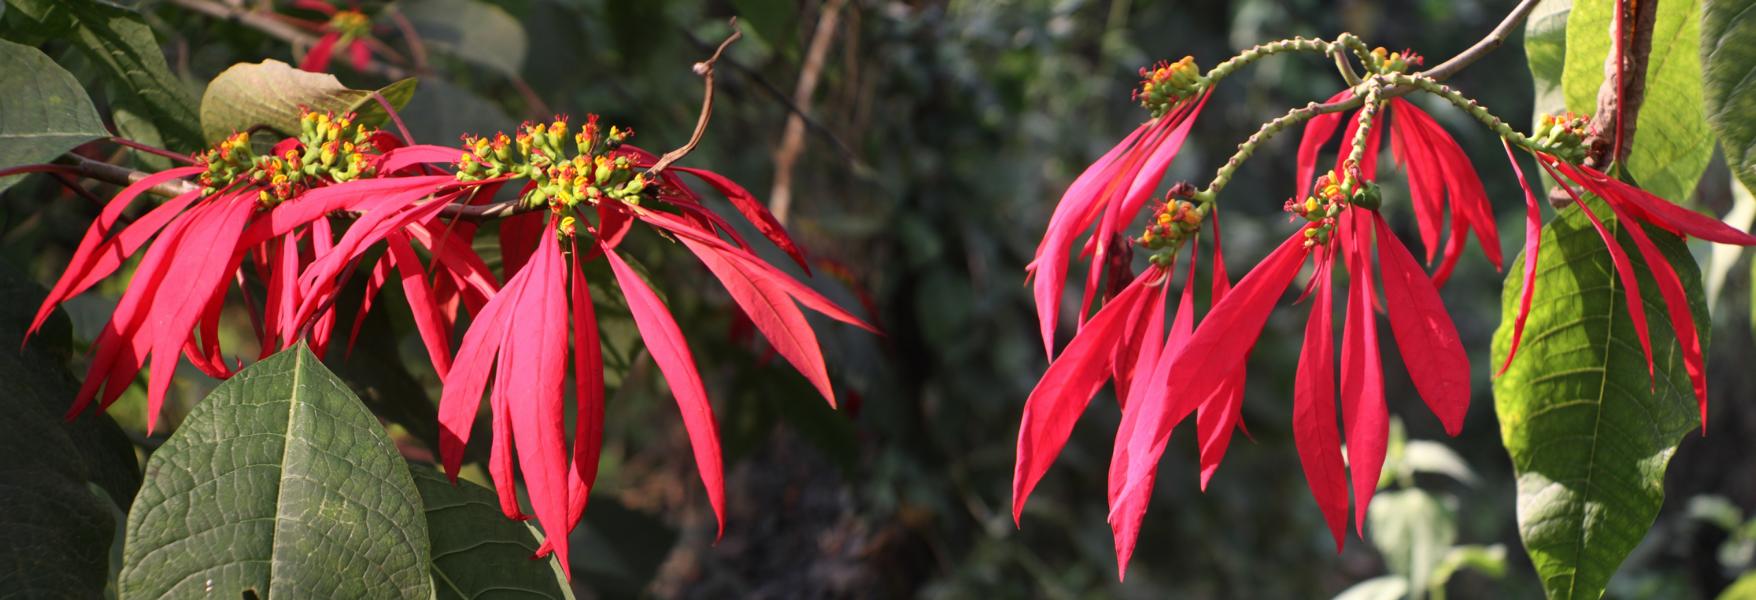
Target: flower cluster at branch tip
1167	84
1394	62
331	148
1174	220
1333	193
539	153
1562	136
351	24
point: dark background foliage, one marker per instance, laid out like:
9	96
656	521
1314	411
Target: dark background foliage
944	132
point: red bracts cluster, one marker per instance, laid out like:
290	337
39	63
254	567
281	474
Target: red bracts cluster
1635	210
1162	377
302	218
1109	194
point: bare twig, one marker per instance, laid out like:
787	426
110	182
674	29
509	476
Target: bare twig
1485	45
781	98
705	70
780	198
123	176
1618	102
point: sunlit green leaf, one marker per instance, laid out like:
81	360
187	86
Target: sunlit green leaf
1589	433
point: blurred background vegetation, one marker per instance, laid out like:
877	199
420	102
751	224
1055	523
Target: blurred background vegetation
934	143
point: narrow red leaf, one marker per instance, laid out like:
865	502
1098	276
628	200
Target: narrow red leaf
1314	431
428	322
1431	348
518	238
1676	305
671	352
754	211
1676	219
1624	272
1363	411
588	381
1066	389
317	59
1533	237
773	313
539	360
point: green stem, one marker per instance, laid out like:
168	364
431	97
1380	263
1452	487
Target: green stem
1469	105
1258	52
1368	118
1248	147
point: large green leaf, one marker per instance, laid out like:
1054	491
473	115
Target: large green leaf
280	484
472	30
1672	143
270	94
478	552
43	113
119	41
55	531
1728	68
1589	433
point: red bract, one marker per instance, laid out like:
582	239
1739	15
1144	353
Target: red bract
1126	342
347	28
1338	222
1636	210
1110	192
271	211
516	339
1438	170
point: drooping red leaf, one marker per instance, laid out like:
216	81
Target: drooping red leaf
537	340
1066	389
1676	305
1653	209
1533	237
1078	206
361	56
754	211
1426	187
1431	348
588	381
671	352
1363	412
1314	430
1135	455
1368	158
1223	340
773	313
1624	272
192	278
317	59
799	291
429	323
461	397
89	263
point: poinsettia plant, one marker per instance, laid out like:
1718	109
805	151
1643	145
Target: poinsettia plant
1161	376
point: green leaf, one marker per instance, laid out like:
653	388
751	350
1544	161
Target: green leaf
1742	589
1422	456
282	484
1672	143
472	30
1728	69
1386	587
1487	560
478	552
1412	530
43	113
119	41
55	532
1545	50
270	93
1589	434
